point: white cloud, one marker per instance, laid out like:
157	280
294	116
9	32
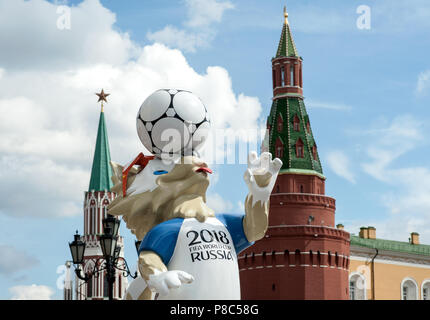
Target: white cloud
48	118
389	142
30	37
14	260
205	12
339	163
423	83
407	200
181	39
32	292
311	104
198	31
218	203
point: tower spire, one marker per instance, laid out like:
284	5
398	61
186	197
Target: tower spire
286	47
285	15
101	172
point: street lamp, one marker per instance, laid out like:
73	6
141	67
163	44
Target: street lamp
111	259
77	249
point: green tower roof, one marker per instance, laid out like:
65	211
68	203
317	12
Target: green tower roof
286	47
101	171
290	126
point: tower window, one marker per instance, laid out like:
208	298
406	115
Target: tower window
274	78
314	152
296	123
308	127
282	76
279	149
292	76
279	152
299	149
280	124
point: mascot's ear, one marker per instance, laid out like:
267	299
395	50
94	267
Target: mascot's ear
117	172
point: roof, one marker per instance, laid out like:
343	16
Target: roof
101	171
391	245
286	47
287	108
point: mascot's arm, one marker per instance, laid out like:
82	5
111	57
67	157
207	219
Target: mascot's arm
260	179
150	263
158	278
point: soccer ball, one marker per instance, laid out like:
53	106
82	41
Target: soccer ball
172	122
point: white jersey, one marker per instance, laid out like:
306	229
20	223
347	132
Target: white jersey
206	250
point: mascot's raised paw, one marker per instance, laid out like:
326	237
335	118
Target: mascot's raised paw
163	282
261	175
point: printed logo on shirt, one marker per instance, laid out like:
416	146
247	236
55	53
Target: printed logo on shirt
209	245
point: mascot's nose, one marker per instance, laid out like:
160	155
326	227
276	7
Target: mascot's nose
204	169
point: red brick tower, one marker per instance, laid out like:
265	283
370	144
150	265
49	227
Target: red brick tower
303	255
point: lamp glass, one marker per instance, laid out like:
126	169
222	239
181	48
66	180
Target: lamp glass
77	249
112	223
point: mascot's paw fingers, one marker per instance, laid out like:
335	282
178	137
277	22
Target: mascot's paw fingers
248	177
185	277
165	281
252	158
275	166
172	280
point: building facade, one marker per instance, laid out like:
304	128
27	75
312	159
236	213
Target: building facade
388	270
302	248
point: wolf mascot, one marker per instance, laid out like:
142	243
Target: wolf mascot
187	251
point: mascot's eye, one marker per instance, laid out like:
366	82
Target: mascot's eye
160	172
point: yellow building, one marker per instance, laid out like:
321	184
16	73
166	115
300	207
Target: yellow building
388	270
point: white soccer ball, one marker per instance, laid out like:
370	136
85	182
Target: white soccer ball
172	122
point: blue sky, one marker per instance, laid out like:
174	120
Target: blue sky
367	93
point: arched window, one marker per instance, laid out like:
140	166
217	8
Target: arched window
90	288
105	285
279	148
299	149
280	123
279	152
296	123
357	286
314	152
292	75
282	77
308	127
425	290
409	289
274	78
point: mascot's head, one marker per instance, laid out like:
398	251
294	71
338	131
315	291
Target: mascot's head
161	191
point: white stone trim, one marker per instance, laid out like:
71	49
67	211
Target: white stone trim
416	287
363	278
426	281
393	262
291	265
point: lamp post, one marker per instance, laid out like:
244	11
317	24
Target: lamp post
111	259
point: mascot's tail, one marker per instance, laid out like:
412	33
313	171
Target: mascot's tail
138	290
